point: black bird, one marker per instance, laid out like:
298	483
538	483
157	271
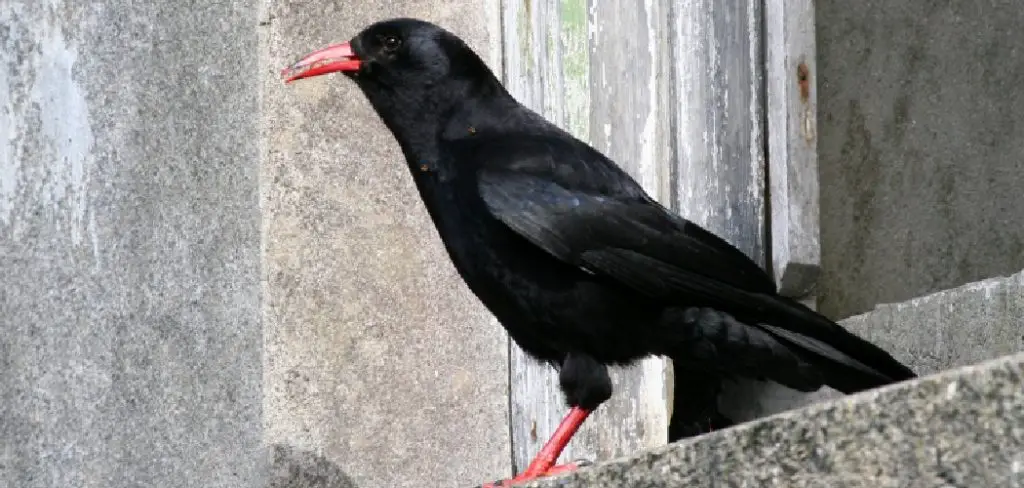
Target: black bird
577	262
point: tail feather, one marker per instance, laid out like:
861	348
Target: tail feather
848	363
800	349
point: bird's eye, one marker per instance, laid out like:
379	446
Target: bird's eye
391	43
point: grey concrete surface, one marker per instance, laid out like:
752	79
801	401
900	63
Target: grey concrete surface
130	336
378	358
211	279
963	428
295	468
958	327
921	147
945	330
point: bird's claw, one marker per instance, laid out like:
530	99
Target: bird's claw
553	471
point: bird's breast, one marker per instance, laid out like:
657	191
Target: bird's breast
541	301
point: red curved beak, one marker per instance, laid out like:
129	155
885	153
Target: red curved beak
334	58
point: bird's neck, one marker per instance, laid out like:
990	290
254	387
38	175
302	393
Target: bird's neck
421	119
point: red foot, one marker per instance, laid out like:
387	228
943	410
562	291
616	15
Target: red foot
523	478
543	464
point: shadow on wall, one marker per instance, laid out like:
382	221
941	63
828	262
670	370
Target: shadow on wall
292	468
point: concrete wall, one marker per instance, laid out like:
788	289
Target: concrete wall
378	357
208	277
921	147
129	244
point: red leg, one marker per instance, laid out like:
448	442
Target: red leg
522	478
544	463
548	454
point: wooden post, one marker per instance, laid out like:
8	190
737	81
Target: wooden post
718	116
719	140
593	68
676	93
792	145
730	98
793	185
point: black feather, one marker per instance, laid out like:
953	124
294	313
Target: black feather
572	256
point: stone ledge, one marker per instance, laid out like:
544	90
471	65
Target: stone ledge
962	428
951	328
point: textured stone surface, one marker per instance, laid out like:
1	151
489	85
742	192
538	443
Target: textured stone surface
963	428
958	327
129	245
920	110
293	468
211	279
379	360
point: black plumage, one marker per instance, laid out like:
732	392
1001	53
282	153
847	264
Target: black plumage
577	262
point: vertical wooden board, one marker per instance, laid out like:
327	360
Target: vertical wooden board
792	145
574	48
718	123
627	121
531	30
549	66
532	70
793	190
718	100
629	125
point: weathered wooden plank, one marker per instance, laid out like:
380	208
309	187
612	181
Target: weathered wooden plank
793	185
629	123
718	115
532	72
792	145
629	44
718	127
591	68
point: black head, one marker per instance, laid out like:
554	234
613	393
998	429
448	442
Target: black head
398	54
417	76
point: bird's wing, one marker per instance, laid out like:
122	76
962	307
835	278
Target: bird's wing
634	241
590	214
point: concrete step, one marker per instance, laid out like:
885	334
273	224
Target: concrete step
962	426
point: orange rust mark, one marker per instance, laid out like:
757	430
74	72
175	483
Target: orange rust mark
803	79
